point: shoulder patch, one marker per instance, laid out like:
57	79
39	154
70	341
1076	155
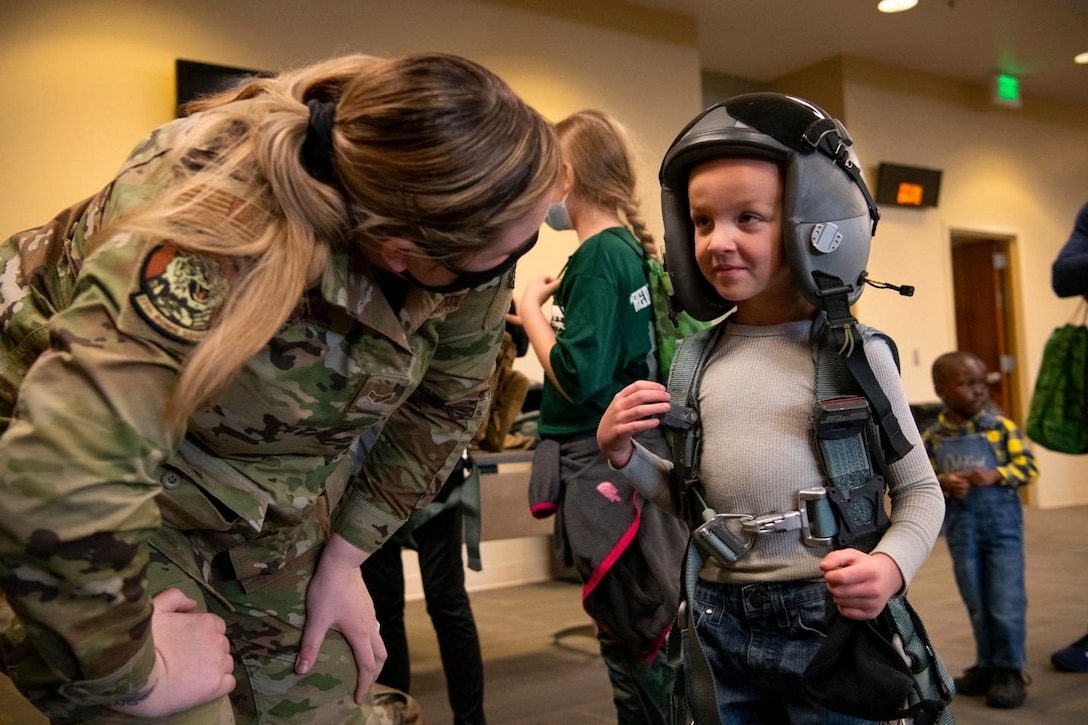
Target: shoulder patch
181	291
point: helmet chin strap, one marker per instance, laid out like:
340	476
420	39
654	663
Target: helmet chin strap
835	299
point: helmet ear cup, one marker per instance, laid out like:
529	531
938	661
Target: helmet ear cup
691	290
828	228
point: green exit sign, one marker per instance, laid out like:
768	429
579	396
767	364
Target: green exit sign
1006	90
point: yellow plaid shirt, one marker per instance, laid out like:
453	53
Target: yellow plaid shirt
1015	461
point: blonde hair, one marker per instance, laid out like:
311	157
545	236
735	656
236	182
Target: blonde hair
431	148
598	148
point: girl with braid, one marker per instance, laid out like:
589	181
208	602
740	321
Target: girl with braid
599	340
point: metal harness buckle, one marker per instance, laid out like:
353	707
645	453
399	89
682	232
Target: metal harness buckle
770	523
813	518
812	502
715	538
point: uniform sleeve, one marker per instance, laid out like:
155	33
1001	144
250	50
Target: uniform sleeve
917	504
77	475
423	439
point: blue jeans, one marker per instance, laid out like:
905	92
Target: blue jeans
985	535
758	639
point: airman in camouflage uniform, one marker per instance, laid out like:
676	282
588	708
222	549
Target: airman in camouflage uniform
104	503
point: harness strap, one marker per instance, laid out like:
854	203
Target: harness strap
846	438
934	687
685	442
704	701
894	442
854	453
843	328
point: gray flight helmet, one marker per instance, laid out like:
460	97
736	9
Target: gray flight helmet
829	216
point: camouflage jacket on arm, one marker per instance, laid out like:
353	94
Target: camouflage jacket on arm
91	476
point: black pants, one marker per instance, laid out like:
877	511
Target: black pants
441	568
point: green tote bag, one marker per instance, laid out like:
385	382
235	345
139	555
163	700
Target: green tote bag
1058	416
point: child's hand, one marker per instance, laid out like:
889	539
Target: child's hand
955	485
861	584
979	477
630	413
539	290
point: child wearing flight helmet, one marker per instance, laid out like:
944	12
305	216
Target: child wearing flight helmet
767	219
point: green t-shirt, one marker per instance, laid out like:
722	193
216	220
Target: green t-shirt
603	324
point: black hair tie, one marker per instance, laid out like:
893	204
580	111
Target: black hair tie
317	149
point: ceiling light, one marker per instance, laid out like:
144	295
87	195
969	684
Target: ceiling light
1081	58
895	6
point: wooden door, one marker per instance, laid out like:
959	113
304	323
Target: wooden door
980	278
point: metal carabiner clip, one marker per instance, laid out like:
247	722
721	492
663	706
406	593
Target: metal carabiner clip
717	539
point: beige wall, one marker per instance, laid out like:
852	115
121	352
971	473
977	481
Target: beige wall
1013	174
84	80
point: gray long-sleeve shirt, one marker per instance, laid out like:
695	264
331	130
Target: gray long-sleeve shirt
756	400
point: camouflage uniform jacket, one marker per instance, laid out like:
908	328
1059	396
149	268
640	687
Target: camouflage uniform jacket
91	476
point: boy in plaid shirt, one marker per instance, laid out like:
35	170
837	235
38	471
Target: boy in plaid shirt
981	459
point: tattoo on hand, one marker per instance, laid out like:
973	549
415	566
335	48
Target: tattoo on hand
134	699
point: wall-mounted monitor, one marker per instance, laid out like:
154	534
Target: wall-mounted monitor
909	186
196	79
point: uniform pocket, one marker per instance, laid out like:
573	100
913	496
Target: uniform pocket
186	506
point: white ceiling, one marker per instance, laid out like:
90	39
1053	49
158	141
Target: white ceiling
970	40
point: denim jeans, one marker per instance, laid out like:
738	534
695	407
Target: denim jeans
985	535
758	639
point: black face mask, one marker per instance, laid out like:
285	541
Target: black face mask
467	279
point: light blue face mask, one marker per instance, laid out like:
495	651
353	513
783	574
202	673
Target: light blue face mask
558	218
